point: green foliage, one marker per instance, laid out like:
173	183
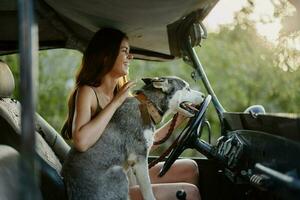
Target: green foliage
246	71
56	79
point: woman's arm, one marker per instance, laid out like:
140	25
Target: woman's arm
162	131
87	131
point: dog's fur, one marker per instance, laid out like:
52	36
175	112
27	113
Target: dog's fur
100	172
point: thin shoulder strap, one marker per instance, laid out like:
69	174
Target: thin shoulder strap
98	104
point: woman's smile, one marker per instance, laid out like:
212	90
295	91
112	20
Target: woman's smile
122	63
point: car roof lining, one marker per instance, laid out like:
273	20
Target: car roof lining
71	23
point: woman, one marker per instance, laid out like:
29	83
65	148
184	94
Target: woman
101	87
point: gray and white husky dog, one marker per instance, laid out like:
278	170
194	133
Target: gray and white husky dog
100	172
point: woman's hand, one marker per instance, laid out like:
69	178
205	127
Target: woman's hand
123	93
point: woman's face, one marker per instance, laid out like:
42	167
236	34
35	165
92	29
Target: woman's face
121	66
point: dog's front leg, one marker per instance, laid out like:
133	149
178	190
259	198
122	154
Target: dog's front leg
141	171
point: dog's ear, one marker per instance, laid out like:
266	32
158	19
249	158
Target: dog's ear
162	84
147	81
159	83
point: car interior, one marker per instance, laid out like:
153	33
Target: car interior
256	157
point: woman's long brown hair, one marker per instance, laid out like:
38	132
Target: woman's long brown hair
98	59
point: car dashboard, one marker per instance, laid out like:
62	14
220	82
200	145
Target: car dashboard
265	157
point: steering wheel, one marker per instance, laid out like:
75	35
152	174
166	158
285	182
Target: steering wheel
191	132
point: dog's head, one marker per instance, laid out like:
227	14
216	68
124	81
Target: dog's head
171	94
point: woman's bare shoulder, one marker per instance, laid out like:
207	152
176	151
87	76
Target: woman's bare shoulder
86	98
84	92
85	89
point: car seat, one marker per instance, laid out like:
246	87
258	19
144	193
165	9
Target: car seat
51	149
8	168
